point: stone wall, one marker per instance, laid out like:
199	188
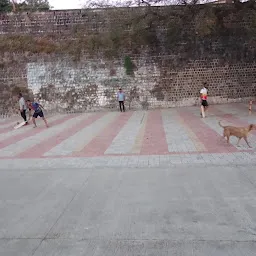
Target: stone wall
76	60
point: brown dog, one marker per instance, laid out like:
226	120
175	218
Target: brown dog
239	132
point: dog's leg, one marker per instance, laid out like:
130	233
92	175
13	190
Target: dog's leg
238	142
245	138
225	135
228	139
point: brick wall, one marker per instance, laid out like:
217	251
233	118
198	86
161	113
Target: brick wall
44	55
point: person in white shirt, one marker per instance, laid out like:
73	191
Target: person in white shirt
23	107
204	96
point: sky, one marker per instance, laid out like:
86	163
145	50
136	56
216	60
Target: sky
66	4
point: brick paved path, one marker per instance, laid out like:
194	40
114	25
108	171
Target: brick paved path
176	135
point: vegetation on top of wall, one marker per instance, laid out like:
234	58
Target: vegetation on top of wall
190	29
5	6
33	5
25	5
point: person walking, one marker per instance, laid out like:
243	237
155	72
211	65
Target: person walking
121	100
23	107
204	96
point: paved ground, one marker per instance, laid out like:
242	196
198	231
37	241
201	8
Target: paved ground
122	211
161	182
137	139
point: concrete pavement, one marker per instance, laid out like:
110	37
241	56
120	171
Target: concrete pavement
119	211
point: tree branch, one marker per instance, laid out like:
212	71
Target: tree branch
13	6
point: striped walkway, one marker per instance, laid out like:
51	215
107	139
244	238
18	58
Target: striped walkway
155	132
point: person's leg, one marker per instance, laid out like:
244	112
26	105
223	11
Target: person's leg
120	105
41	114
123	106
202	111
203	107
34	121
23	115
206	106
45	121
29	115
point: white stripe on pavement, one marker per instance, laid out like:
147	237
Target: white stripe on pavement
124	141
177	137
80	139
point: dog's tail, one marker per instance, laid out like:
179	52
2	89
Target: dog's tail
221	124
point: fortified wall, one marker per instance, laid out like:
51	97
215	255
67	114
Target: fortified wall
76	60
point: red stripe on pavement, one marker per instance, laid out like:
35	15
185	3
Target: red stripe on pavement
39	151
32	132
154	141
101	142
207	136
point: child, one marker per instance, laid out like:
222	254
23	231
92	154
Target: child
37	112
204	96
121	99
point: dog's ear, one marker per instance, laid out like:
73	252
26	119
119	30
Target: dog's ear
251	126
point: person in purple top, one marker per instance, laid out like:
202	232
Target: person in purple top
121	99
37	112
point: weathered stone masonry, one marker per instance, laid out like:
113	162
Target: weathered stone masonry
75	60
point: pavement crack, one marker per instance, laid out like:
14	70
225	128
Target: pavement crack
61	214
132	240
142	118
